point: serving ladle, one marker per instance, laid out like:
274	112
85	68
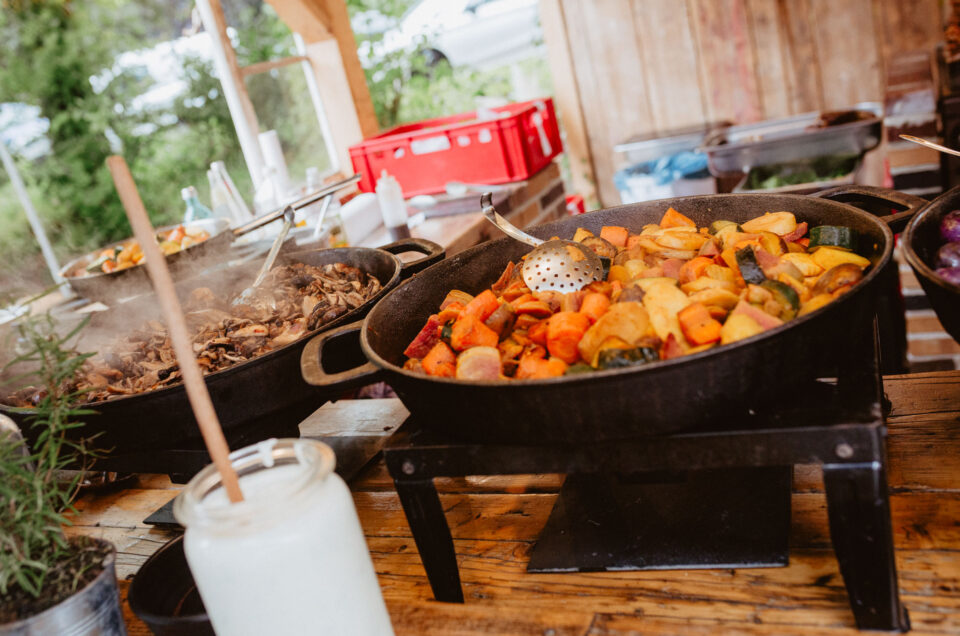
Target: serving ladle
555	265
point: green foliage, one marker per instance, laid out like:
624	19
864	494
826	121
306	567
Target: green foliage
51	49
35	500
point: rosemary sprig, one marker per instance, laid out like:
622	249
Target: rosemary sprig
34	500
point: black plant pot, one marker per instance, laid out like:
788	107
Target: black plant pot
164	596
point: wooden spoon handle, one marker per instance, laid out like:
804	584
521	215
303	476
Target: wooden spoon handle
176	326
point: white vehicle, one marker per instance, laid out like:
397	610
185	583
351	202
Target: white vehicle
476	33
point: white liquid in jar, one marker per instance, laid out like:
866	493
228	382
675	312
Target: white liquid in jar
293	569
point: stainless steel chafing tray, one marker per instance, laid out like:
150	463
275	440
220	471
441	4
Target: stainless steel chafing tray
735	149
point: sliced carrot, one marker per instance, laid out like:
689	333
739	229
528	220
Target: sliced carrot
469	331
482	305
533	368
501	283
515	290
524	321
615	234
693	269
522	298
698	326
594	305
600	286
538	333
450	312
564	331
440	361
634	240
672	218
536	308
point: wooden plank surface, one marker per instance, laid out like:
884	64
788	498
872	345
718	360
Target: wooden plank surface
495	522
644	66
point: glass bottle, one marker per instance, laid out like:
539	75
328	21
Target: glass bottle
291	557
195	210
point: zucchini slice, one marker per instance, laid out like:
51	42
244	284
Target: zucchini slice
716	226
620	358
749	267
838	236
785	295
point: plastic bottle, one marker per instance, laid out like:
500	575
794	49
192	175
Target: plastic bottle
266	199
195	210
240	209
393	208
220	198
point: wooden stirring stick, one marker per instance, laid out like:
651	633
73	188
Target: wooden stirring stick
176	326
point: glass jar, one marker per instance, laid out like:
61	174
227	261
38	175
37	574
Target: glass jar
291	557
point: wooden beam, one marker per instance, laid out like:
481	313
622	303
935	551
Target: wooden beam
269	65
234	89
303	16
309	19
567	98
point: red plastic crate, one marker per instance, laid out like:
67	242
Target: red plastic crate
425	156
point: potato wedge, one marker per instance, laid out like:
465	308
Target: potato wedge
663	301
628	321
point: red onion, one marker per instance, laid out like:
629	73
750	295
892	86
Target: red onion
950	274
949	255
950	227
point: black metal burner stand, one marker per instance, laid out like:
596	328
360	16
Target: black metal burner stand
714	499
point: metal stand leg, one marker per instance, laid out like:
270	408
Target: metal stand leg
432	535
859	511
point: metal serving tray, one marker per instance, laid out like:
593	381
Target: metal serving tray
736	149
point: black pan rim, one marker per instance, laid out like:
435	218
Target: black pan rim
835	306
910	237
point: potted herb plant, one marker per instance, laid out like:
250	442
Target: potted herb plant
50	583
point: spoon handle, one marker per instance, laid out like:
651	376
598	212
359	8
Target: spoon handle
486	202
930	144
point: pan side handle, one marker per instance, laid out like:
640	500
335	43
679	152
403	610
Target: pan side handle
433	253
877	198
311	361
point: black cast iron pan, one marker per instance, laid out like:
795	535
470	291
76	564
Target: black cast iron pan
250	397
133	281
920	243
667	396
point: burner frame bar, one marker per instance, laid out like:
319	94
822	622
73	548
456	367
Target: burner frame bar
850	446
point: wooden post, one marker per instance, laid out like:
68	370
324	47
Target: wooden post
331	48
567	97
234	90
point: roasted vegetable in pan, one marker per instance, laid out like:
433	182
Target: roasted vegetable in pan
672	290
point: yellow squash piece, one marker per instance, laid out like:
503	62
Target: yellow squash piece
780	223
829	257
738	327
627	321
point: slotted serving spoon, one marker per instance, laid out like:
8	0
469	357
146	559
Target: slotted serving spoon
555	265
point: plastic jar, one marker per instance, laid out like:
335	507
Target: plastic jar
290	558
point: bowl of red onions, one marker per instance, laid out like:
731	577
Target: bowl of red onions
931	244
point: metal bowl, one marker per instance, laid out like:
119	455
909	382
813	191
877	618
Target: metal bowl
134	280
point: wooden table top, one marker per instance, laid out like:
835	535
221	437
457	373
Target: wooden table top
495	522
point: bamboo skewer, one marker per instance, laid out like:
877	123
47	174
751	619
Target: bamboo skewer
197	392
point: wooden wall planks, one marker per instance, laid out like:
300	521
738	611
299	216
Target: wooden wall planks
647	65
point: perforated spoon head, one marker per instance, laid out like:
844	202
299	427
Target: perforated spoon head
562	266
